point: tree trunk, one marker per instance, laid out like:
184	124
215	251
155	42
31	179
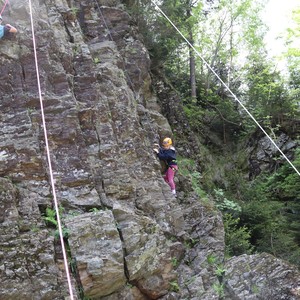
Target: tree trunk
192	63
192	73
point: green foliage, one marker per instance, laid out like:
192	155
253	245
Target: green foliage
191	243
50	216
174	262
162	41
174	287
195	115
284	183
186	165
220	270
188	168
97	60
265	212
35	228
73	265
74	10
211	259
94	210
219	289
272	212
51	219
217	264
129	285
65	233
268	98
237	237
225	205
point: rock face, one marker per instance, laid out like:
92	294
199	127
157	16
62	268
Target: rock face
28	269
265	156
126	236
261	277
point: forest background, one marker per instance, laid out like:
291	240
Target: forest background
261	211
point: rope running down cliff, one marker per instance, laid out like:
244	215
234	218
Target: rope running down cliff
228	89
3	7
49	159
125	71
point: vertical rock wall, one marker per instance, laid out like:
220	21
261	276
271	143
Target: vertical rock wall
120	219
126	236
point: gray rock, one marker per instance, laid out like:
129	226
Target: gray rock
102	118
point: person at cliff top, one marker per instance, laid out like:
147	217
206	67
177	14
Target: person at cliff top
6	29
167	154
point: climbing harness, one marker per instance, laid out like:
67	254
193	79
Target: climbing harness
49	160
225	85
173	169
174	161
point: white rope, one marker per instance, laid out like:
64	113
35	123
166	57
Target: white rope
49	160
225	85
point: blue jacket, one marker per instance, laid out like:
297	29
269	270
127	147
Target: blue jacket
168	155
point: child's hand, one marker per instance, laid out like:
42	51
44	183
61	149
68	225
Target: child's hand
155	150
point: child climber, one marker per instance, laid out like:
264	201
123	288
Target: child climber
167	154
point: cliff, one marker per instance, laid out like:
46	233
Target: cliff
126	236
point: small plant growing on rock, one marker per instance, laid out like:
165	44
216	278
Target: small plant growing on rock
219	289
211	259
218	266
65	233
97	60
74	10
94	210
50	217
129	285
191	243
220	271
255	289
174	261
34	228
174	287
51	220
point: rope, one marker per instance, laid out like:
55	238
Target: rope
229	90
126	73
104	21
49	159
3	7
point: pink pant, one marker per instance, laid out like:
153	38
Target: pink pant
169	176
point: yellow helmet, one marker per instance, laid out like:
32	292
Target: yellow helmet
167	142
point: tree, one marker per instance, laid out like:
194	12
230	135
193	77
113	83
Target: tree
181	14
270	209
266	94
230	29
293	63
